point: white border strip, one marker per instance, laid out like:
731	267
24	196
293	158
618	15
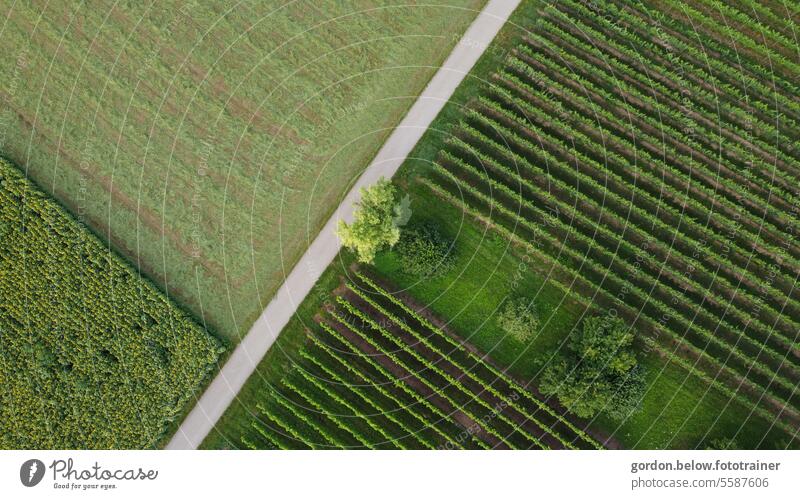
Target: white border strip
401	474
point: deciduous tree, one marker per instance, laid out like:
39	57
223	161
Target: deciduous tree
375	224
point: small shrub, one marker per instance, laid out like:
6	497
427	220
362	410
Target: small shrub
424	252
519	319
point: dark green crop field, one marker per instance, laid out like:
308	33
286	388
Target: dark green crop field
91	355
209	143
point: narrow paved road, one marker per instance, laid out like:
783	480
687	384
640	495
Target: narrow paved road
241	364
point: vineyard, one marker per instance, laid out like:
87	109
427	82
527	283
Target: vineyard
376	374
660	182
91	354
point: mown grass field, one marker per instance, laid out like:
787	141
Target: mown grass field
208	144
563	136
92	356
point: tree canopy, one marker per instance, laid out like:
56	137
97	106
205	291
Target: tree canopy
376	221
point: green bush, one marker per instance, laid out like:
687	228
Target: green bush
599	373
91	354
424	252
518	318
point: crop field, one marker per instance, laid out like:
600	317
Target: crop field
209	144
376	374
659	182
91	355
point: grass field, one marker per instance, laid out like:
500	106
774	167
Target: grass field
91	355
208	144
548	86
